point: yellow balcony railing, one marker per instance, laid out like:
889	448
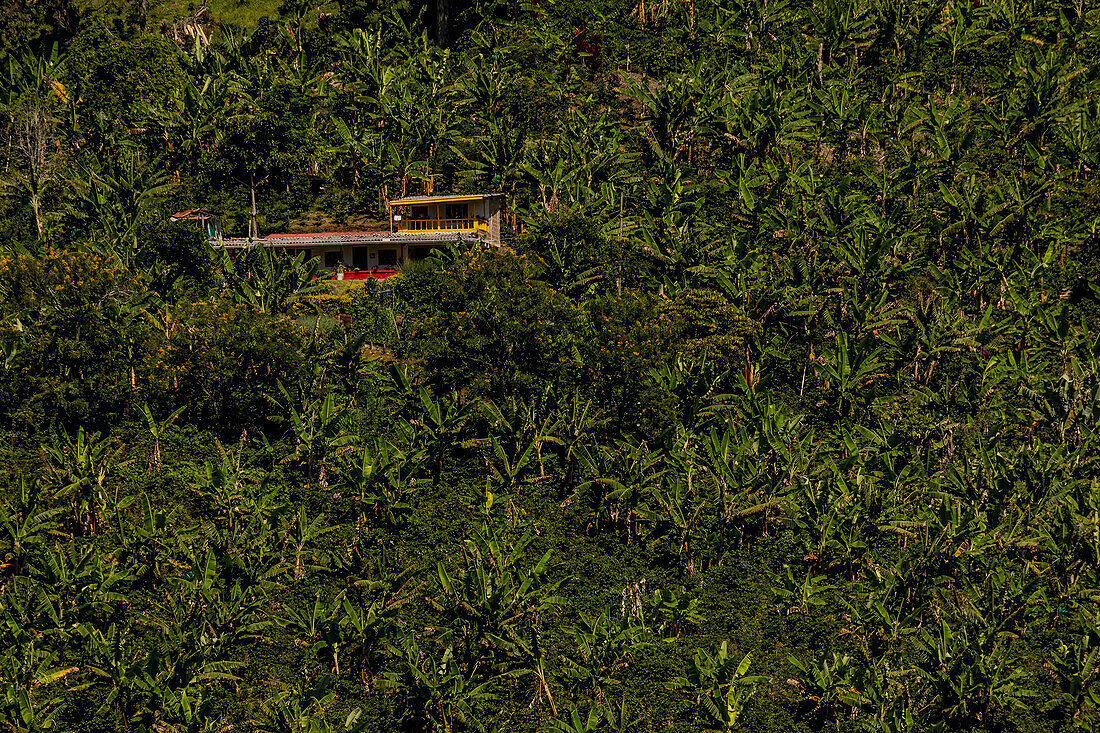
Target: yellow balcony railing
434	225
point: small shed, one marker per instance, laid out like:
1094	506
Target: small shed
209	224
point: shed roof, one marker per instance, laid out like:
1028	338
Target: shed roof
192	214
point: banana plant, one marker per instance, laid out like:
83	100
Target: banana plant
368	626
519	439
751	22
677	111
143	689
545	162
436	691
763	118
30	702
841	112
1040	94
77	467
77	584
576	421
1081	135
437	427
236	493
742	479
605	648
595	156
830	684
194	712
675	233
189	116
204	617
385	478
495	157
300	537
577	724
884	617
13	342
872	258
361	144
269	280
619	479
149	546
114	200
157	429
319	430
967	29
800	594
936	333
566	272
27	523
849	369
600	717
721	686
830	517
37	74
308	711
676	609
485	84
695	385
970	676
1075	668
318	627
841	27
496	602
128	672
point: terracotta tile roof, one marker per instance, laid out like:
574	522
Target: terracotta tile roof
325	235
321	239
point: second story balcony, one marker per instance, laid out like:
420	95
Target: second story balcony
433	225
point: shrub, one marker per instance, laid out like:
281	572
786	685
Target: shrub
72	330
223	360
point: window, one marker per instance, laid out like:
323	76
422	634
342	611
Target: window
419	212
457	211
387	258
333	259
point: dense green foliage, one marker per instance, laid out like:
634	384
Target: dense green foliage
778	411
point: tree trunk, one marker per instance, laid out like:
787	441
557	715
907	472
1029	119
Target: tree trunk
442	21
37	206
253	226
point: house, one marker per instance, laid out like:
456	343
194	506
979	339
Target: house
417	224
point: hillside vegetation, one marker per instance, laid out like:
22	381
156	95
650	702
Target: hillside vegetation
777	412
